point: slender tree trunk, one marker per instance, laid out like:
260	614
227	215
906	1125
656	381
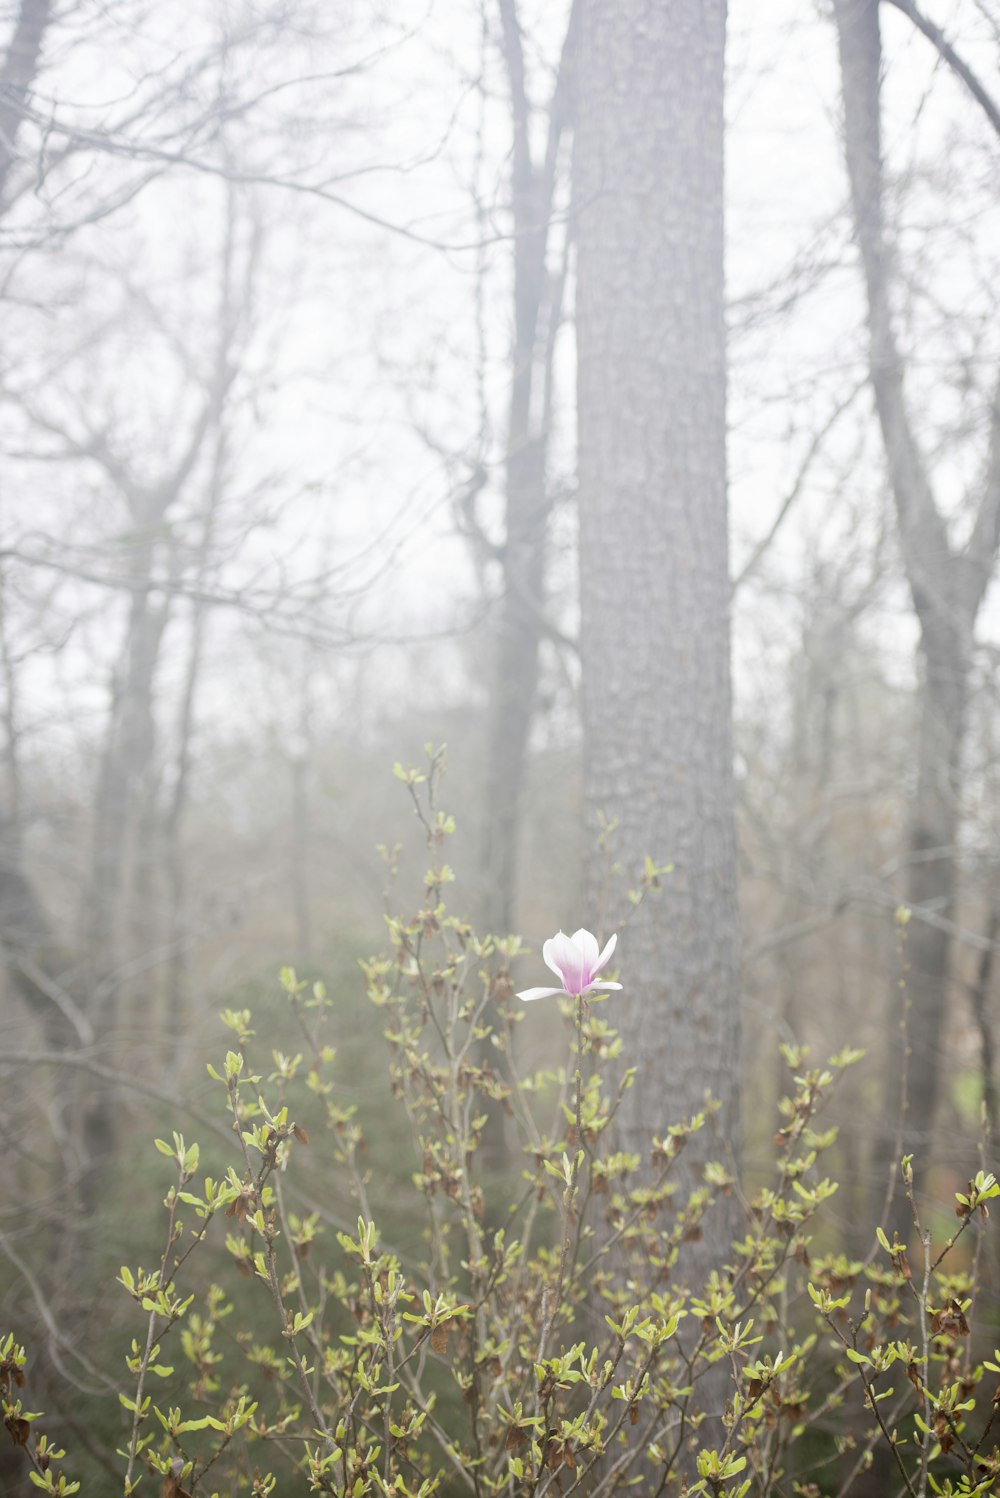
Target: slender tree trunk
36	966
25	935
12	820
515	685
931	878
232	307
17	74
178	998
126	761
39	970
300	843
979	995
537	316
176	868
648	187
947	586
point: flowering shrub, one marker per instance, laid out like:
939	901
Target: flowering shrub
546	1338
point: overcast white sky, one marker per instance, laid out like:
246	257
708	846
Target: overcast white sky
360	403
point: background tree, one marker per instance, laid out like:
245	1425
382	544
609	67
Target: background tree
538	291
948	575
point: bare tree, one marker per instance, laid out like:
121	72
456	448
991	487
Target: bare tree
537	316
947	582
39	967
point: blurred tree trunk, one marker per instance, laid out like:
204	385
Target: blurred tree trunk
25	934
39	969
124	855
301	753
648	186
537	316
947	585
178	996
237	298
979	998
43	975
118	856
17	74
125	761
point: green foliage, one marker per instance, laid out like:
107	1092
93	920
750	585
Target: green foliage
546	1336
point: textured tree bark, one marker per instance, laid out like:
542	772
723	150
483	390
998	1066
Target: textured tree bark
648	189
947	586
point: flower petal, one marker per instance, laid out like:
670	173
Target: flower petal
530	994
594	987
568	961
605	956
586	944
550	952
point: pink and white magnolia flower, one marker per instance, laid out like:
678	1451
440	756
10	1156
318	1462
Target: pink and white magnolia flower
576	962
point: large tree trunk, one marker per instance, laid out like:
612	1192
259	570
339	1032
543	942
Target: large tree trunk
648	187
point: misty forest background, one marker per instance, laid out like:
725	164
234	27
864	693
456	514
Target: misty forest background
300	306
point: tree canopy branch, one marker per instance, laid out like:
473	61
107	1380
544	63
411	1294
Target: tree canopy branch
957	64
922	530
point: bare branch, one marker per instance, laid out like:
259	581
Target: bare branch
984	542
157	157
958	66
922	530
128	1081
804	469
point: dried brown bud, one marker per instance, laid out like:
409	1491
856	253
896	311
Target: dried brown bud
950	1321
18	1429
943	1433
